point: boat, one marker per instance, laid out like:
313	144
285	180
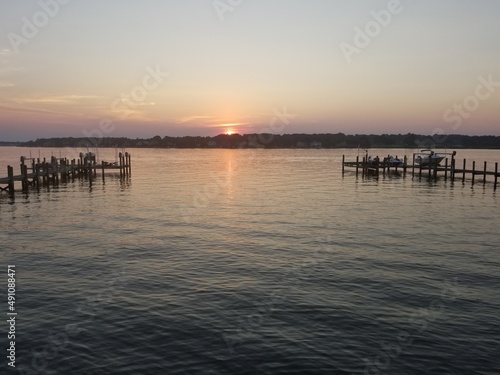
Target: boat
428	157
392	161
389	161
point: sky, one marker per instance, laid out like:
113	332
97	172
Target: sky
204	67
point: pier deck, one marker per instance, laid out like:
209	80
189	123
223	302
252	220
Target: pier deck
41	172
449	170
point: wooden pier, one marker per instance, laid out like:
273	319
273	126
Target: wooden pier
36	172
452	171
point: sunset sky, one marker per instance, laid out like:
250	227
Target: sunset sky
203	67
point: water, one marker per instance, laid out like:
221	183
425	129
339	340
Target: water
253	262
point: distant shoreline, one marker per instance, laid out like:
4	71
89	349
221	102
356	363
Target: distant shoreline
275	141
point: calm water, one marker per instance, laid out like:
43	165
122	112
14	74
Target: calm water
253	262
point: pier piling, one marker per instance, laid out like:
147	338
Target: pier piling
62	170
448	171
473	172
496	177
10	173
463	171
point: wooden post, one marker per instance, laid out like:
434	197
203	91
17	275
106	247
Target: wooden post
129	164
452	175
10	173
121	166
413	167
63	170
430	166
67	162
463	171
23	176
43	171
36	170
124	165
364	169
33	170
473	172
496	176
47	172
446	169
484	174
90	171
102	166
80	164
53	168
357	165
24	173
343	167
405	160
42	167
26	177
58	166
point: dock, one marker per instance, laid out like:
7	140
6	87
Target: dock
451	170
36	172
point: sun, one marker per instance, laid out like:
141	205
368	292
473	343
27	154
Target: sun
229	132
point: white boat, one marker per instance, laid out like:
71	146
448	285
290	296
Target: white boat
428	157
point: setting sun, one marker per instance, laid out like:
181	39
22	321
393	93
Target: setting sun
229	132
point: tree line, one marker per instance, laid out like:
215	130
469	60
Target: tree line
263	140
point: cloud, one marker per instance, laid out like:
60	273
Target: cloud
23	109
232	124
78	97
58	99
188	119
6	84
